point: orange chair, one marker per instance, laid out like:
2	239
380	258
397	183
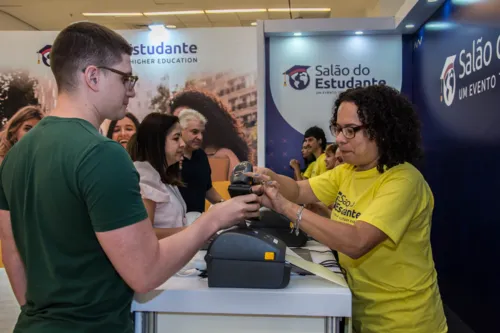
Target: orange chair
220	168
221	188
1	262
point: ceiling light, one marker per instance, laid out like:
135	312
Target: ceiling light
297	33
359	32
181	12
299	9
230	11
432	0
409	26
156	27
464	2
439	25
253	23
112	14
171	26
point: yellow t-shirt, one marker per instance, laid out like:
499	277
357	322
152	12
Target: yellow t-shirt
319	166
394	286
309	170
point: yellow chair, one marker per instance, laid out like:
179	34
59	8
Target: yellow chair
221	188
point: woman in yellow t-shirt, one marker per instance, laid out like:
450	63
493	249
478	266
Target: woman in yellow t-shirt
382	209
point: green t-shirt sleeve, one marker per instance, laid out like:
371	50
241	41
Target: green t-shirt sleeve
109	184
4	205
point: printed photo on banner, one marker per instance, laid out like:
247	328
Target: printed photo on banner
187	64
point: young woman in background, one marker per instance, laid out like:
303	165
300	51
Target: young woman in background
156	149
122	130
17	126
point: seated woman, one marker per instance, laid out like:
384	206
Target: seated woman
156	150
17	126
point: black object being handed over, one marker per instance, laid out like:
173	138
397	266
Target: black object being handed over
241	184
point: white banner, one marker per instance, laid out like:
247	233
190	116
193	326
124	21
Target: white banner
222	61
308	73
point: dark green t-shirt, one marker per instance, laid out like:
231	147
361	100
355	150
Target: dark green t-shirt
62	183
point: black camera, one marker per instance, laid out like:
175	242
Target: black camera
241	184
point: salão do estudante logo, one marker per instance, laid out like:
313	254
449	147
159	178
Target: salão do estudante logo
44	55
455	81
146	54
329	79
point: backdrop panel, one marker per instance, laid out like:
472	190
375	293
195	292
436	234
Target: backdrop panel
221	61
456	87
305	76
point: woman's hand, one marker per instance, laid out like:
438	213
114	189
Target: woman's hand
258	171
268	191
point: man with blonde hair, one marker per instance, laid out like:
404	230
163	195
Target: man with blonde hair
196	171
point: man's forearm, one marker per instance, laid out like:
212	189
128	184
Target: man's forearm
213	196
297	174
16	272
174	252
167	232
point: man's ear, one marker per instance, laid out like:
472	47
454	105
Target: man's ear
92	77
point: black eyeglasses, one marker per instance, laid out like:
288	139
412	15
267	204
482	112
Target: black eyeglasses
349	131
128	80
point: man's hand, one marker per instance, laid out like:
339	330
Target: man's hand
235	210
294	164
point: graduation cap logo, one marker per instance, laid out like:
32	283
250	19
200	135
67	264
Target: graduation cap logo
298	77
44	54
448	80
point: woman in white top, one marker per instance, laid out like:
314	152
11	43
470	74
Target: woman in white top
156	149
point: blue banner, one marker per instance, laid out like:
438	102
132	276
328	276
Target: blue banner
456	88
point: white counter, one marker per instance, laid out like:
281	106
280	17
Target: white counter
190	298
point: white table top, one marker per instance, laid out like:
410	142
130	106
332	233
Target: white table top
304	296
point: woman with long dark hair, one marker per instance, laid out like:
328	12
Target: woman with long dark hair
156	149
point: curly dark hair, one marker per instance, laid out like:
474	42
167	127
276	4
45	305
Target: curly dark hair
222	129
389	119
317	133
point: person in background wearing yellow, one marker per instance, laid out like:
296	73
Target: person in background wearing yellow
309	162
316	139
17	126
381	218
333	156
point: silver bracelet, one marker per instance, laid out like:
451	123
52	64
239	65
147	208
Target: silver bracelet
299	218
